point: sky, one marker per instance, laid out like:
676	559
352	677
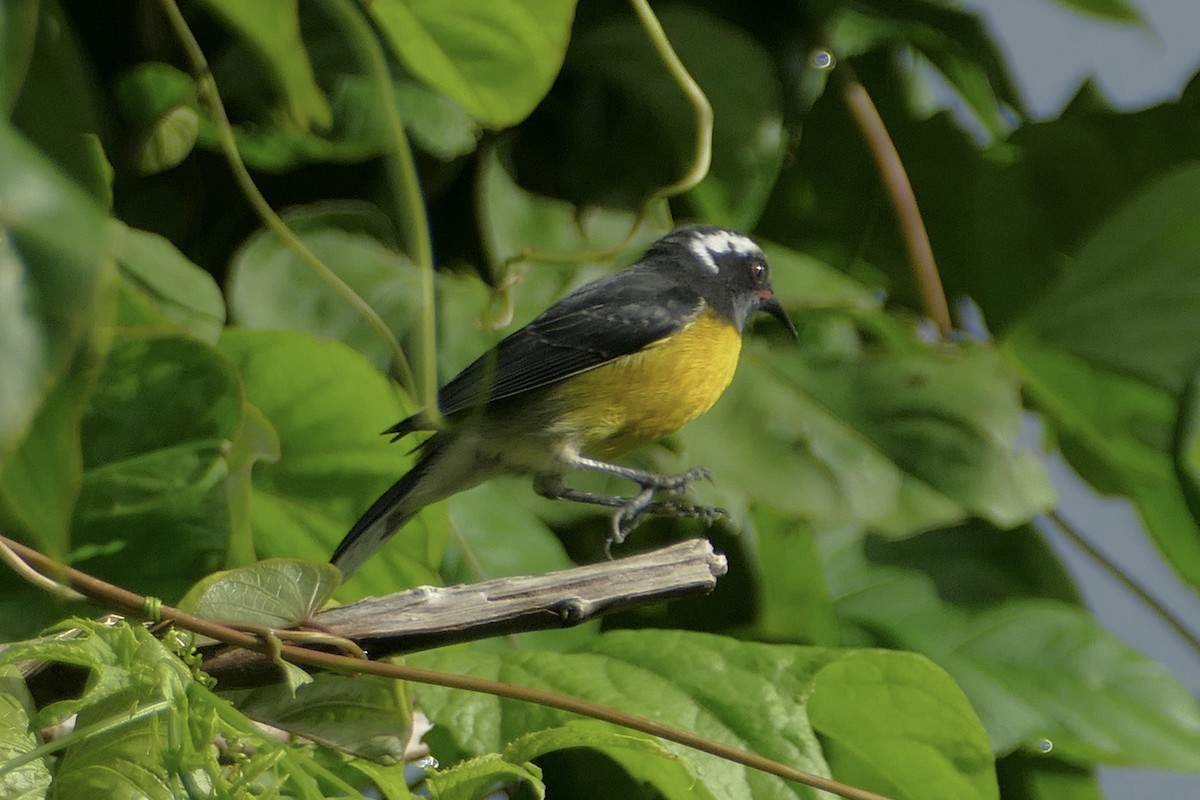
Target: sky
1052	50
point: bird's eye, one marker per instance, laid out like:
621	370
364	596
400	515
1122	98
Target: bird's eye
758	271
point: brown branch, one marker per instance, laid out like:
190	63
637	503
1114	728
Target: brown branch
900	192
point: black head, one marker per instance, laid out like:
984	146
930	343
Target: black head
729	270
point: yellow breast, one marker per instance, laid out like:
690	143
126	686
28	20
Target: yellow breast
639	398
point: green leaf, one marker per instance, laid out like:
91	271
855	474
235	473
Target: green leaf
1145	256
1185	446
391	780
19	32
1107	351
903	438
18	737
1117	433
955	42
900	727
642	756
495	58
328	406
794	602
483	777
1114	10
1040	777
152	514
40	482
272	27
1036	671
366	716
49	312
277	593
59	108
159	276
752	696
270	288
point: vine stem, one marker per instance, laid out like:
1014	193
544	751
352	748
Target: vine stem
109	596
1140	592
900	192
207	88
409	202
702	156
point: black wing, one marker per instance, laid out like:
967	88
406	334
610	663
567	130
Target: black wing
603	320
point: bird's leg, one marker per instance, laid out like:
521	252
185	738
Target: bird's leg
647	480
629	510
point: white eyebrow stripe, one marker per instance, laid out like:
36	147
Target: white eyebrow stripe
703	255
706	245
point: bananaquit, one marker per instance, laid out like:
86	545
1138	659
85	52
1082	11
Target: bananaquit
615	365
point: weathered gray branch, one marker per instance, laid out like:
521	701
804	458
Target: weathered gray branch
426	617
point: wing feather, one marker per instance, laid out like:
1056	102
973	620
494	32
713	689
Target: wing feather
603	320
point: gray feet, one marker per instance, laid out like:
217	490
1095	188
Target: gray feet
630	510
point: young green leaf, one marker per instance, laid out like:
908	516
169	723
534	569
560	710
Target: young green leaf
277	593
18	737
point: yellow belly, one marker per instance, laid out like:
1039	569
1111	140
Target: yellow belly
639	398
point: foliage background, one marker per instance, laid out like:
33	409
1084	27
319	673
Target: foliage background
183	393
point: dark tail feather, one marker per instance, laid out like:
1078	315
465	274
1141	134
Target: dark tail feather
385	516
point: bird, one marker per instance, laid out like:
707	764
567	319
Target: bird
615	365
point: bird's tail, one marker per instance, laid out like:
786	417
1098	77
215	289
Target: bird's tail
395	507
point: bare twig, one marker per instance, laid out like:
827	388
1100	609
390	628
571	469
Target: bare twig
900	192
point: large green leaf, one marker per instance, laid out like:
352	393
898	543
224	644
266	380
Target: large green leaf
48	310
271	289
328	407
153	512
1130	302
495	58
272	27
901	441
1111	347
1040	673
758	697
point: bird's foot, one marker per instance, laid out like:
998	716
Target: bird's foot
628	515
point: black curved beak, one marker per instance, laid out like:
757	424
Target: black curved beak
771	305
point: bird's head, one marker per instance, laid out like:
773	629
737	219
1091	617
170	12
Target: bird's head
730	271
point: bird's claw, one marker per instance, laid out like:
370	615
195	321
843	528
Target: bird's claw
630	514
